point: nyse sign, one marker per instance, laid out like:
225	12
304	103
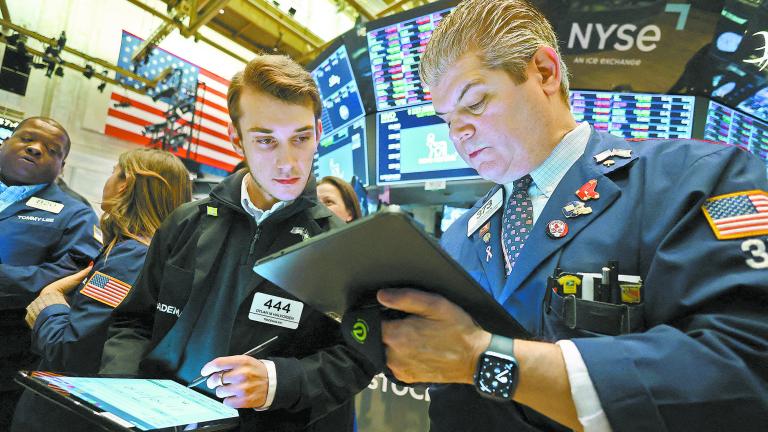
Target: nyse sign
640	46
626	36
591	36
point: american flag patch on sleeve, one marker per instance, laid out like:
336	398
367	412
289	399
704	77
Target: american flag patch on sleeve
106	289
737	215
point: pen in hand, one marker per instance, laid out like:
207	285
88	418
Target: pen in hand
250	352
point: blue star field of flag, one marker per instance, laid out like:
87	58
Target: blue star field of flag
159	61
730	207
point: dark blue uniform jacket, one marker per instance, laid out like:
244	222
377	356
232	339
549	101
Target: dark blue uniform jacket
71	339
38	247
700	359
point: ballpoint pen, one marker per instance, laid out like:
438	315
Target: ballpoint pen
250	352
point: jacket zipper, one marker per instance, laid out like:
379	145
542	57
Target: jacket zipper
254	241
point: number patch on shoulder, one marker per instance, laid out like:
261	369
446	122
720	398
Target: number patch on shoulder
756	252
269	309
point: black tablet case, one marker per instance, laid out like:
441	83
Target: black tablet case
342	269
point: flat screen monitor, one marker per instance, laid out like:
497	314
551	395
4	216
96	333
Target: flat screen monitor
6	128
338	89
413	145
635	115
730	126
450	215
395	52
342	152
734	72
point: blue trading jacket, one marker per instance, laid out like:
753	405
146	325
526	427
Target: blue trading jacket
38	247
700	360
71	338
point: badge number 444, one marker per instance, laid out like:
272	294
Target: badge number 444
273	310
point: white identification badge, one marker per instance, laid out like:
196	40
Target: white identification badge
45	205
277	311
485	212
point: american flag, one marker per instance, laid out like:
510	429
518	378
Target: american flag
106	289
738	215
213	146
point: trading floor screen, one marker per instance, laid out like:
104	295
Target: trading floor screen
342	149
413	145
338	89
730	126
341	153
635	115
395	53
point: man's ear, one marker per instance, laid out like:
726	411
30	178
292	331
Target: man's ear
547	64
234	138
319	129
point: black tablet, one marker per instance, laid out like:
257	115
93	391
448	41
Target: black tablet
341	269
132	404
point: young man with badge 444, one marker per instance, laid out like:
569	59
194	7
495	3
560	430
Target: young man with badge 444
198	305
640	269
45	234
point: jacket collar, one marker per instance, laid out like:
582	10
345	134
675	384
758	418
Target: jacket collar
50	192
228	193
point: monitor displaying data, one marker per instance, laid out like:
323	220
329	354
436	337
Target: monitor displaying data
6	128
730	126
395	52
342	149
635	115
413	145
338	90
342	153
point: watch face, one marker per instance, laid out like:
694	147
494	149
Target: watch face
496	377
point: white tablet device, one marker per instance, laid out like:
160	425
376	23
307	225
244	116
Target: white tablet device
132	404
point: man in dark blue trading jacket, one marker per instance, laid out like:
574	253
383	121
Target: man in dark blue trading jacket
640	269
45	234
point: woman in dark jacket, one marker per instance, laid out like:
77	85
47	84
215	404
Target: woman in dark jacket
68	332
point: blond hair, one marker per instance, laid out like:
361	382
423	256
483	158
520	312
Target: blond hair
275	75
505	33
156	182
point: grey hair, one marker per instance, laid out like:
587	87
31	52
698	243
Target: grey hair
505	33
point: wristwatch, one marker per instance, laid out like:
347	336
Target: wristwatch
497	370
